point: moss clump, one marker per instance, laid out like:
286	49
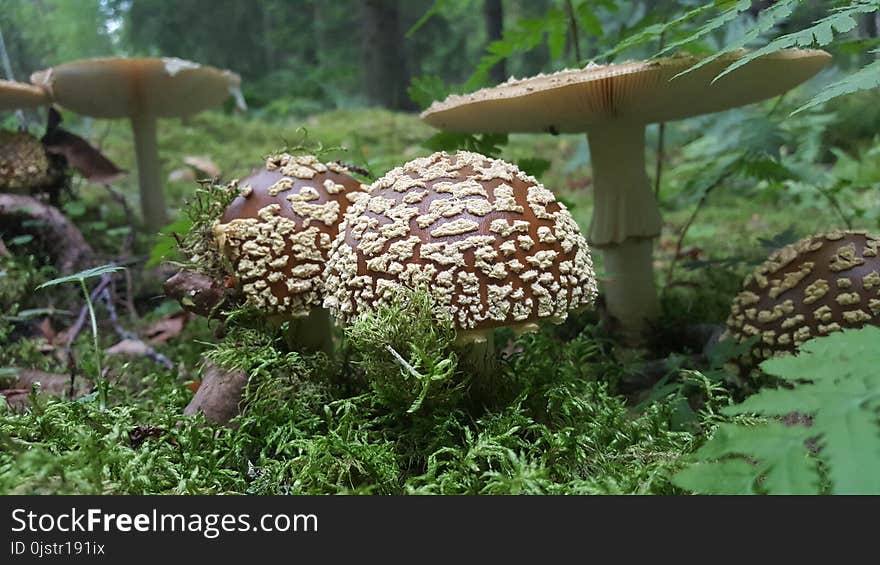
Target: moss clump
550	422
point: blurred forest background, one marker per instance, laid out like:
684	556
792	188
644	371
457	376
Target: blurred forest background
304	56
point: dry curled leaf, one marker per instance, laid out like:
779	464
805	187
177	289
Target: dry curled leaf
167	328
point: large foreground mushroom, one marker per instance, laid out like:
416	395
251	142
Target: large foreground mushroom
490	243
142	90
613	104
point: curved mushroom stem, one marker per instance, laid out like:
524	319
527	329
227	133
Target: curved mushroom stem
625	220
149	171
311	333
478	352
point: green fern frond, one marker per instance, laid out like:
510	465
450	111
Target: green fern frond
834	380
866	78
821	33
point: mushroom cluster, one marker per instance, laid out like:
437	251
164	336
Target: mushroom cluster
277	233
818	285
490	243
613	104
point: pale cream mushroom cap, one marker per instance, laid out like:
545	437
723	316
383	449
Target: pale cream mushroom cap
572	101
163	87
20	96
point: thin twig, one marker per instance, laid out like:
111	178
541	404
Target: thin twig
704	198
661	134
575	39
126	249
403	363
125	334
678	244
836	205
7	67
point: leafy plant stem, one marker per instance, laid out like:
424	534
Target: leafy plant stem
99	375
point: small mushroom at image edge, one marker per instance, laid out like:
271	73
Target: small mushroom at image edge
821	284
613	104
277	234
21	96
142	90
490	244
24	166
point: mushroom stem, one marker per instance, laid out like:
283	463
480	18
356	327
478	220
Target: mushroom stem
311	333
478	355
149	171
630	295
625	219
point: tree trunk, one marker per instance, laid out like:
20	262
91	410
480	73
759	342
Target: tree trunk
494	11
383	55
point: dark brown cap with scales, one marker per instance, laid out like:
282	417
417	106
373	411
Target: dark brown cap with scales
278	231
821	284
488	241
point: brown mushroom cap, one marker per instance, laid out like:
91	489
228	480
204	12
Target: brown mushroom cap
120	87
24	164
821	284
641	92
17	95
488	241
278	231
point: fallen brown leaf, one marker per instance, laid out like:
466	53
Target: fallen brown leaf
129	348
184	174
167	328
203	164
52	384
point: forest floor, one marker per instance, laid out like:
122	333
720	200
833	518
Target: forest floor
562	417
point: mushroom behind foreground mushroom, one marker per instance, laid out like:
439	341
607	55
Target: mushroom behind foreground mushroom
821	284
488	242
613	104
277	234
142	90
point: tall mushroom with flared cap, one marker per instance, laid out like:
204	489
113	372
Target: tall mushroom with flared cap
613	104
142	90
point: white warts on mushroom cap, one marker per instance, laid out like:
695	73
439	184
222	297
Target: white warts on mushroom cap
278	231
465	227
818	285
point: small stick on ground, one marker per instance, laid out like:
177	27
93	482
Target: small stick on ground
125	334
